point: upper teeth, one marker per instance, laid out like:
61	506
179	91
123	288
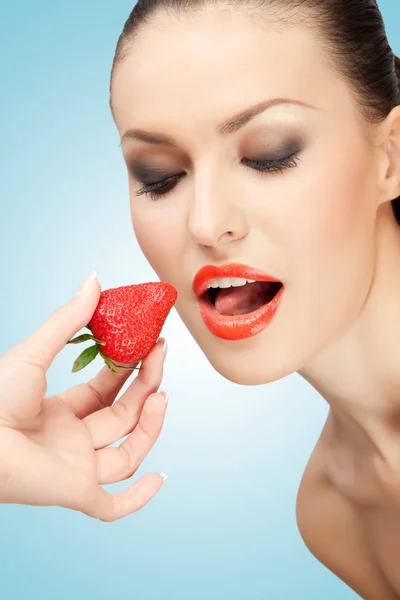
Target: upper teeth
229	282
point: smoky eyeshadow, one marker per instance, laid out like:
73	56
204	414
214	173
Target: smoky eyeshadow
261	150
273	152
148	173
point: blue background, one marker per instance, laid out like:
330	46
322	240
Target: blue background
223	525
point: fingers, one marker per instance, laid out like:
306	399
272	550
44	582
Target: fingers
49	339
111	507
116	464
114	422
86	398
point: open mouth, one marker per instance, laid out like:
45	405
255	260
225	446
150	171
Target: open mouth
232	301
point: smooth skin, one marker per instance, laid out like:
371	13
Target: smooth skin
54	449
324	227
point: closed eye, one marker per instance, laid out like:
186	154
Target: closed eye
160	189
275	165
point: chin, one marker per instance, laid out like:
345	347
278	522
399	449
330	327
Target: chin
245	366
256	360
242	374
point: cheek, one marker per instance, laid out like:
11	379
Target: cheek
332	243
328	246
335	210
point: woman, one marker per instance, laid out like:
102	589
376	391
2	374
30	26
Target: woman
262	142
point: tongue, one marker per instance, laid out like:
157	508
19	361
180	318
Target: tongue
241	300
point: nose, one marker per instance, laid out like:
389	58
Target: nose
217	216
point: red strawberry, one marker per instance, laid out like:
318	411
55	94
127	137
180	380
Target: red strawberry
126	324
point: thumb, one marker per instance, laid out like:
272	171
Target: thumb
51	337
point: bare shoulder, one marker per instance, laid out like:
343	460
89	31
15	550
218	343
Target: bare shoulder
333	532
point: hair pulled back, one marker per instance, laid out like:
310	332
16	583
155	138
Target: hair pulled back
352	31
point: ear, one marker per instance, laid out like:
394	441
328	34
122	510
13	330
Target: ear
390	145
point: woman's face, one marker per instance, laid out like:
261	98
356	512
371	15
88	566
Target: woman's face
307	219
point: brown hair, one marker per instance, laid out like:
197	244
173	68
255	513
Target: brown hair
352	31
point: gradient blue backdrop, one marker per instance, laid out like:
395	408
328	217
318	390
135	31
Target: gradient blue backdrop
223	525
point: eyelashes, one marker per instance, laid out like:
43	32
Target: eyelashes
160	189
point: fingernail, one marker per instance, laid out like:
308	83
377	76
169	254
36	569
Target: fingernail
164	345
166	396
86	285
164	476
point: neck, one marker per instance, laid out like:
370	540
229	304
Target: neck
359	374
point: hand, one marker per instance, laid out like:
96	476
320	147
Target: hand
54	450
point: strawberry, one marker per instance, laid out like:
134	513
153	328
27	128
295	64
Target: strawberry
126	324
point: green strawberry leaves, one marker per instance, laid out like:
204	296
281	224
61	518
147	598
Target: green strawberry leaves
90	354
84	338
85	358
121	330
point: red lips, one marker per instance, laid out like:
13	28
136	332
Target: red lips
235	327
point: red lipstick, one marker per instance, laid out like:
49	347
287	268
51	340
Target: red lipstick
241	326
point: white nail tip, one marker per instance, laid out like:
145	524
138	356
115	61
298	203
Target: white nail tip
86	285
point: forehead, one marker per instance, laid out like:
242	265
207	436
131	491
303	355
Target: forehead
210	64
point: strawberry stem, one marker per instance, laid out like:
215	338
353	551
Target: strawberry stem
110	364
90	354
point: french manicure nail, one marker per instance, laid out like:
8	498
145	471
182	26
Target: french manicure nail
166	396
164	476
86	285
164	345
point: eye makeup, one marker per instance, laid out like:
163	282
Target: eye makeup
265	152
149	173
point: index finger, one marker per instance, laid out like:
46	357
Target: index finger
42	346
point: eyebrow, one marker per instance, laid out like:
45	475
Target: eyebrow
228	127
